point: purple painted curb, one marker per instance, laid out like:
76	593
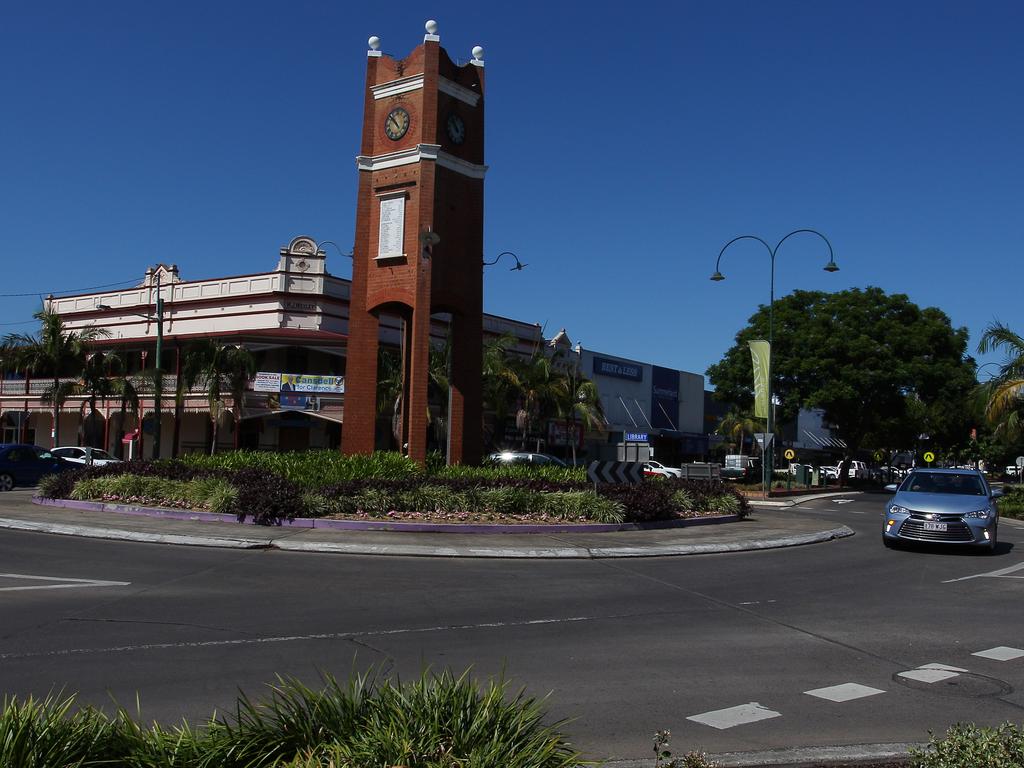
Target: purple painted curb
168	513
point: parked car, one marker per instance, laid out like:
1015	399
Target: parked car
657	469
950	506
526	457
858	469
26	464
740	467
829	472
83	455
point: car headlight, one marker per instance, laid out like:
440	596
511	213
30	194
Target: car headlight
978	514
896	509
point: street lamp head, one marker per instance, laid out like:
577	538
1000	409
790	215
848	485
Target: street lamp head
832	266
718	277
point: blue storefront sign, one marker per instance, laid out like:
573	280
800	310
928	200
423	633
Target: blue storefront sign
636	437
605	367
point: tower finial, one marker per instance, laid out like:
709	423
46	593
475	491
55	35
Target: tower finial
478	56
374	43
431	36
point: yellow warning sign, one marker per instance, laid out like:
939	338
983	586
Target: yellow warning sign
929	457
790	454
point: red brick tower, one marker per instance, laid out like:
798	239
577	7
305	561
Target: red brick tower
419	239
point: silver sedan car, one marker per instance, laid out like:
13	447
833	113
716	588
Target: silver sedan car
948	506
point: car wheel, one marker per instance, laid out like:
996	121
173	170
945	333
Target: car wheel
6	482
991	548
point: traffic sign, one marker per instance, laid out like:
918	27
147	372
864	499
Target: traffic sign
1020	462
764	440
790	454
615	472
929	457
879	455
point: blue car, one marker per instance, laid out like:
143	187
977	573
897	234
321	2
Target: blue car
26	464
948	506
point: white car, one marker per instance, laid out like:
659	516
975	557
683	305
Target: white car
830	472
96	457
656	469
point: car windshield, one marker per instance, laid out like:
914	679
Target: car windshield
101	454
944	482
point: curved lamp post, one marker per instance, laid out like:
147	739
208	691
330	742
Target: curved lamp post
766	469
519	265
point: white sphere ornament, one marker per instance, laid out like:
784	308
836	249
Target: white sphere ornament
478	52
374	43
431	27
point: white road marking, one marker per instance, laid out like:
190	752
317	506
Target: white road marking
844	692
62	582
842	501
733	716
991	574
945	667
926	675
1001	653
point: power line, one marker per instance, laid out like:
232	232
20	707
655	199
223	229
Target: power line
69	290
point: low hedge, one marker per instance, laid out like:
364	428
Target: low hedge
966	745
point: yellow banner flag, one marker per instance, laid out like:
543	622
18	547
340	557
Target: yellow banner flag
760	352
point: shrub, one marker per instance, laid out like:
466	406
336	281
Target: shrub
310	468
722	504
435	722
215	494
969	746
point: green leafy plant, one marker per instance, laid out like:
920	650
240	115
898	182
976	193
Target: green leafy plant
966	745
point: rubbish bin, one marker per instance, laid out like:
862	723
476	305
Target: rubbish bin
802	474
815	477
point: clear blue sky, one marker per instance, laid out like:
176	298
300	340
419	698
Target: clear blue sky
627	144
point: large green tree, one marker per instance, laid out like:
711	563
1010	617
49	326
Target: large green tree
883	369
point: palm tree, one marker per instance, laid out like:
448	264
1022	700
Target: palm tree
219	368
578	401
56	352
535	383
499	381
736	425
1003	395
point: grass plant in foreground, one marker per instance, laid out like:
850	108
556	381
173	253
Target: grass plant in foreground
437	721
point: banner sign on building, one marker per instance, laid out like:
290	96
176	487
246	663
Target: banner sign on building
298	382
291	402
267	382
760	353
605	367
664	398
636	437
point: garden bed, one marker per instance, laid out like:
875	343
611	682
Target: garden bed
271	489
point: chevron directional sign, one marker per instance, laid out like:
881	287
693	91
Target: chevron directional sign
615	472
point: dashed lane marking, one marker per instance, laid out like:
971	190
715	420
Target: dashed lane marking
733	716
60	582
1001	653
844	692
932	673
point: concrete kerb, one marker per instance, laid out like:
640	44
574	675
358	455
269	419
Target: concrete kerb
539	545
796	757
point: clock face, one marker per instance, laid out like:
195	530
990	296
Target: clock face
456	129
396	124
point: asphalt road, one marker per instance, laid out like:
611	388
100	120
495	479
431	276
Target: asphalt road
624	646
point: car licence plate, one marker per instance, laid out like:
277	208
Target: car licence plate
928	526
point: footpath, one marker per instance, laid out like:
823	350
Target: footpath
770	525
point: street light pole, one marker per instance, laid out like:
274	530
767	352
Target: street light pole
768	458
158	380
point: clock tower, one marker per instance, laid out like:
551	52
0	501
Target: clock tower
419	241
